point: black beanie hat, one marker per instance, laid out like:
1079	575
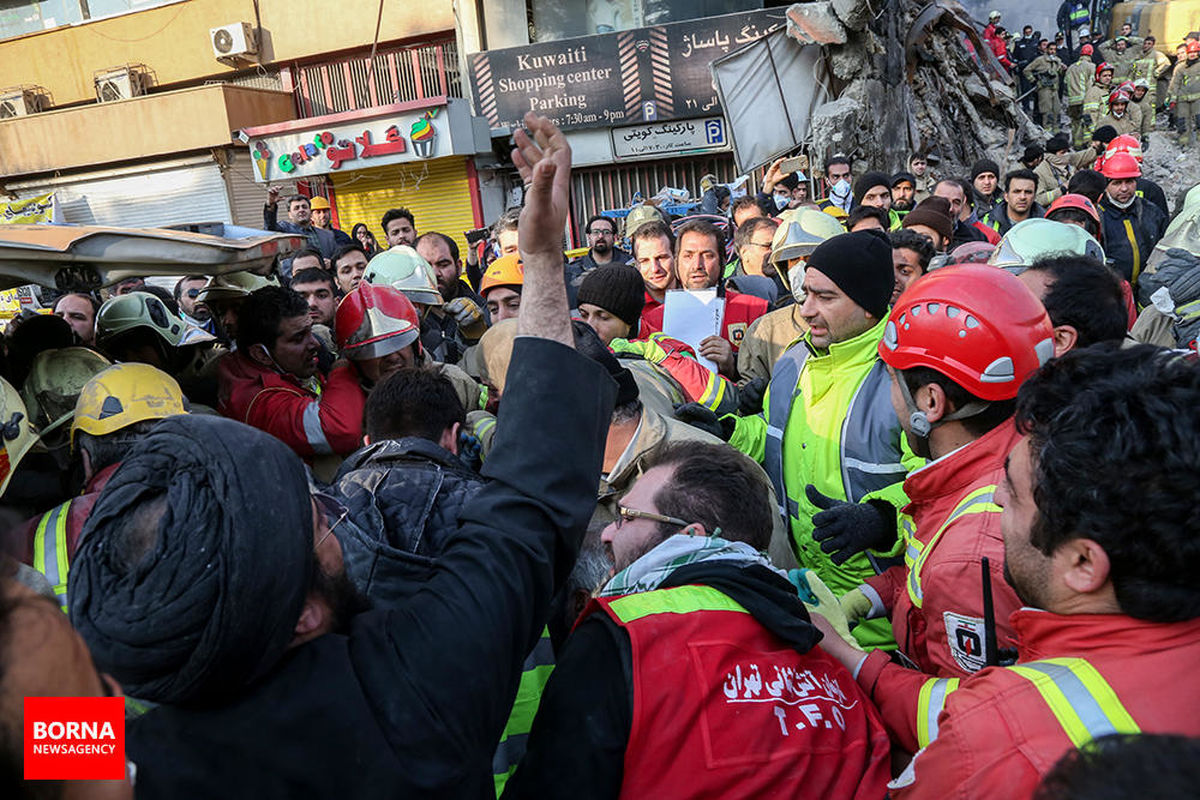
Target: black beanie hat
589	344
984	165
860	263
868	181
1104	134
617	289
903	176
1057	143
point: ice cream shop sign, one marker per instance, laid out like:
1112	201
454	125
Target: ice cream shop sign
347	145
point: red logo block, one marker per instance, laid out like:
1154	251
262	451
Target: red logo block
74	738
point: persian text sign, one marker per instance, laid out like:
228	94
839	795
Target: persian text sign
350	145
39	208
662	138
642	75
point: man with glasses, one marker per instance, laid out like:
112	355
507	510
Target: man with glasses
601	237
696	668
207	582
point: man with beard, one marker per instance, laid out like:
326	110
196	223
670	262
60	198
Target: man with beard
956	410
212	584
1020	187
1110	627
699	262
904	193
692	579
601	234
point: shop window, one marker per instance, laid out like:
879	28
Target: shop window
22	16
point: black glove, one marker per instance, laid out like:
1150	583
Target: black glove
846	529
750	396
705	419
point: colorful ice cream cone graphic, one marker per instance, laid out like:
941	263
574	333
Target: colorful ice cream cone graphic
423	136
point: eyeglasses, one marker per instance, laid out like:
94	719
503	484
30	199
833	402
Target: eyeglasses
766	246
600	232
332	510
630	514
193	293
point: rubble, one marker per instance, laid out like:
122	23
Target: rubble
815	23
912	76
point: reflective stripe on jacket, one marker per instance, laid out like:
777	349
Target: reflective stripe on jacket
50	550
1078	676
535	672
742	714
828	420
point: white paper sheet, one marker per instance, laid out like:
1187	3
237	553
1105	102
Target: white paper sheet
691	316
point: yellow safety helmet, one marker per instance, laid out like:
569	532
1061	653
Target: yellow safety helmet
798	234
234	286
506	270
17	434
54	383
124	394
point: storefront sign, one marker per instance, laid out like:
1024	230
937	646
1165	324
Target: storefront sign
370	143
40	208
642	75
661	138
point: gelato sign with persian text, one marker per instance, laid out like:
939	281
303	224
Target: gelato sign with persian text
347	146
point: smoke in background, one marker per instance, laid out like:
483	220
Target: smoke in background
1016	14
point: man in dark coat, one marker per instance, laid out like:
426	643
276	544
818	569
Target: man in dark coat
208	582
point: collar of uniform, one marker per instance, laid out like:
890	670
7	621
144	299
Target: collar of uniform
1043	634
863	348
629	457
955	471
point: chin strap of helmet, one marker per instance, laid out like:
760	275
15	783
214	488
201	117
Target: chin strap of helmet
919	425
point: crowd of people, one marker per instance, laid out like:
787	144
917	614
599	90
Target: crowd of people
401	520
1124	81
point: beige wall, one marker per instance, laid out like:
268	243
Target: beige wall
144	127
174	42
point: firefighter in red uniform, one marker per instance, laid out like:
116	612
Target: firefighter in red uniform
1098	518
696	673
699	263
958	345
272	382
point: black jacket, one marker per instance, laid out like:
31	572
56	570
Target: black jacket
593	682
411	701
403	497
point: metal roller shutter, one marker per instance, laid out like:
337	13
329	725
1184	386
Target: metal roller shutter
142	197
437	192
596	189
247	197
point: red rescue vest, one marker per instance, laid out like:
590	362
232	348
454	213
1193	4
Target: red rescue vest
723	708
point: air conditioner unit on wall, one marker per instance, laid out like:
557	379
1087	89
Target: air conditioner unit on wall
121	83
20	101
234	42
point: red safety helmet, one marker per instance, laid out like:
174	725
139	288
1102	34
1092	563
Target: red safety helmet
1193	47
1126	87
1104	66
1086	50
1121	165
970	253
1117	96
1076	201
375	321
1125	143
977	325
